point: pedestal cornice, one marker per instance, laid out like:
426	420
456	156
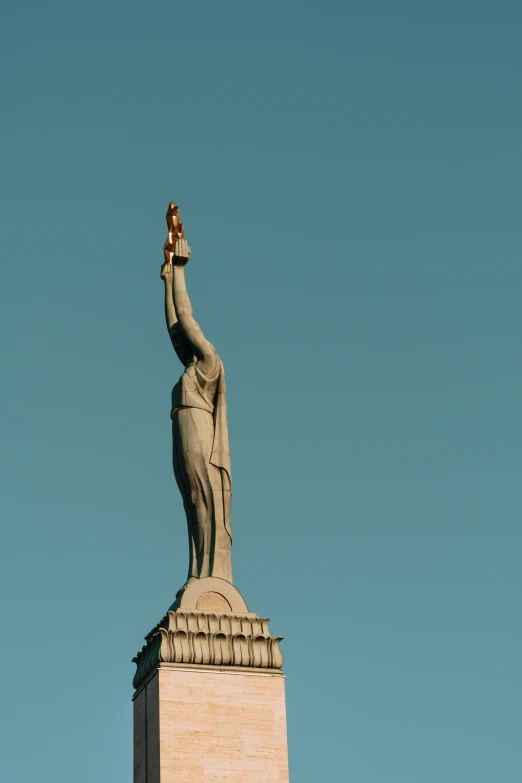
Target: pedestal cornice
219	639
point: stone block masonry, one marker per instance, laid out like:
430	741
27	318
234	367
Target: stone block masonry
203	725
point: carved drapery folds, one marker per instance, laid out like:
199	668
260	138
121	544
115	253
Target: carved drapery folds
208	639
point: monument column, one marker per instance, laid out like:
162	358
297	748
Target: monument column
209	702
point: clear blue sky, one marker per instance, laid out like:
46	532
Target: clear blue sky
350	178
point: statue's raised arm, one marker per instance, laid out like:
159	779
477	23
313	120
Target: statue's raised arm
178	307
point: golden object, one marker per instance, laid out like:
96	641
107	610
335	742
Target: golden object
175	229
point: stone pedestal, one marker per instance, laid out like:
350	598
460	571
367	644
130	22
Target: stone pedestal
205	726
210	701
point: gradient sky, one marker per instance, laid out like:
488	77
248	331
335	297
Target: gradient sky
349	176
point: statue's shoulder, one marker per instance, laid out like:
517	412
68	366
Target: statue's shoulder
209	373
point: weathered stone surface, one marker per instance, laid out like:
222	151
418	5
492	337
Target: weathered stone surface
190	595
208	639
213	602
212	727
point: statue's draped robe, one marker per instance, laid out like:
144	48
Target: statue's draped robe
201	457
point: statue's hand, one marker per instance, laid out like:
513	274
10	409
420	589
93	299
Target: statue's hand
166	273
181	253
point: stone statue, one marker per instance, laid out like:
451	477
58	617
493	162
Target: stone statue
201	454
209	623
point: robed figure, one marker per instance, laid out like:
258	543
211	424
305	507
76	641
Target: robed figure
200	446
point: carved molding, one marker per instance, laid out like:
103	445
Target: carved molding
210	639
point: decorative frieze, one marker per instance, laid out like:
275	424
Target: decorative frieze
208	639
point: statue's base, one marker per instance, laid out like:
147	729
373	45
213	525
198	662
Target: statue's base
210	592
210	703
210	725
209	624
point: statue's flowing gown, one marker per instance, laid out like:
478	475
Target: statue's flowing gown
201	458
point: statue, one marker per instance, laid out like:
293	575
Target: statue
200	446
209	623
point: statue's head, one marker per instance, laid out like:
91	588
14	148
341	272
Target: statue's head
181	345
